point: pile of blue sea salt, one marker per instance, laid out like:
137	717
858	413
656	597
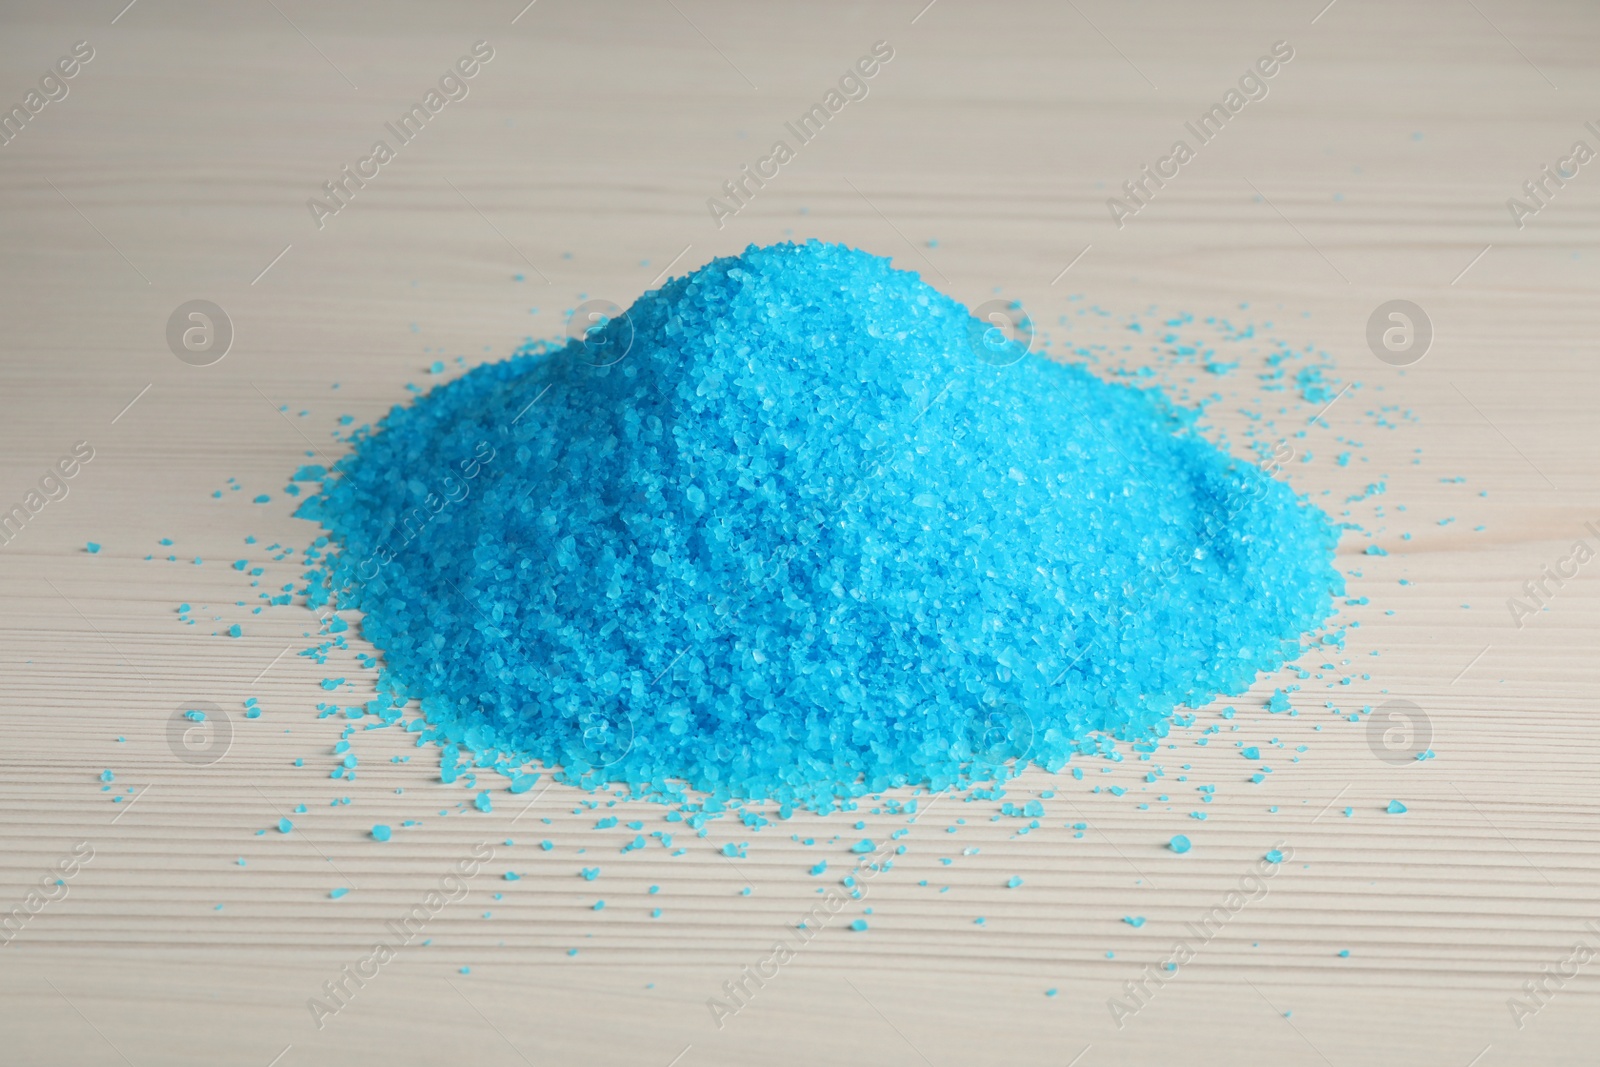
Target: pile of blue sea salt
797	527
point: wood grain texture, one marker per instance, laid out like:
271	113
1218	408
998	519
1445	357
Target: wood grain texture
1377	167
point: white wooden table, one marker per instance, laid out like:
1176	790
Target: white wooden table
178	165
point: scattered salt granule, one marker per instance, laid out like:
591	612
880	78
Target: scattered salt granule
797	526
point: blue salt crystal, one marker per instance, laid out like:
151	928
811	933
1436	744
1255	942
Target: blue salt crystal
788	528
